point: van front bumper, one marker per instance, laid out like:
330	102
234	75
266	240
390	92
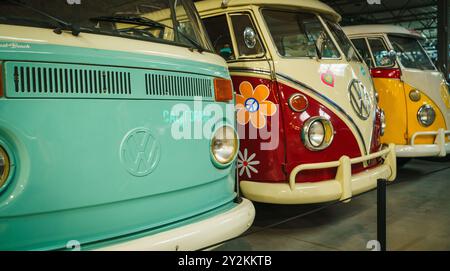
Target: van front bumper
197	235
341	188
439	148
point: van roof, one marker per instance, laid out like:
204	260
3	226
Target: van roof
379	29
313	5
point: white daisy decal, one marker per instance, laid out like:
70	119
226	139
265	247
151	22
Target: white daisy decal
246	164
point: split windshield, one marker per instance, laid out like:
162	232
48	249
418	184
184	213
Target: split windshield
299	34
343	41
410	53
302	34
167	21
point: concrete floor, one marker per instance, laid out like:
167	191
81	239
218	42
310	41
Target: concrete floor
418	217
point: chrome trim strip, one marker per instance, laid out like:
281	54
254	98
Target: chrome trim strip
302	85
250	70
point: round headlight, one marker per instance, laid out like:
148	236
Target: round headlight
224	145
383	122
426	115
317	133
4	167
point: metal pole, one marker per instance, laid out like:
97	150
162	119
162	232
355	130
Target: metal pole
381	213
443	36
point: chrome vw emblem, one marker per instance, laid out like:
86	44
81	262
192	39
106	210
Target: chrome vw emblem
140	152
360	99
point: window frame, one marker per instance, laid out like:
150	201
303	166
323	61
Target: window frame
368	49
233	36
233	44
386	45
238	58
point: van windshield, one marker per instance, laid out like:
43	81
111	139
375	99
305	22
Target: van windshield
343	41
168	21
410	53
299	34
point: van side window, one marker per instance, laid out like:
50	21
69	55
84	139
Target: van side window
363	49
380	53
246	37
219	33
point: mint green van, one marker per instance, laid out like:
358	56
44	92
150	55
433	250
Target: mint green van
92	97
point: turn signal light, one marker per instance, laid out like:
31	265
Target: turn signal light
223	90
298	103
415	95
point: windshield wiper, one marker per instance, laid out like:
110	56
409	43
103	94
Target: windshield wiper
62	24
142	21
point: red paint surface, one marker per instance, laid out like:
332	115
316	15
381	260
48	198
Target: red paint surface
275	165
386	73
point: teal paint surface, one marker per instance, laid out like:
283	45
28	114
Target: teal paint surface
92	56
69	182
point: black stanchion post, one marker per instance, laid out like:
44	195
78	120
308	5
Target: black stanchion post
381	213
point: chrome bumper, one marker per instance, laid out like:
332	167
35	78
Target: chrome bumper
342	187
197	235
439	148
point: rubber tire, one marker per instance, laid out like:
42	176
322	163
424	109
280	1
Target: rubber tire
402	161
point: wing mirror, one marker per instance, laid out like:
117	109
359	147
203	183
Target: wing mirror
392	54
250	37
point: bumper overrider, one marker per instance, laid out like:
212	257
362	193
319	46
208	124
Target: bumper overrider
439	148
197	235
342	187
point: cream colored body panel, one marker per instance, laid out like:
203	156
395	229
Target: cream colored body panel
103	42
195	236
355	30
313	5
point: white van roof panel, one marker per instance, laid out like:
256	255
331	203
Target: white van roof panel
313	5
379	29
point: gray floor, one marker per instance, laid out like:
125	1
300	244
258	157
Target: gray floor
418	218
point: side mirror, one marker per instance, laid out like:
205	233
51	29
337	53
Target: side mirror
392	55
249	37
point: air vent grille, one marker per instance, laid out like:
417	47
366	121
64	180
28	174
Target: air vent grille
76	81
70	80
174	85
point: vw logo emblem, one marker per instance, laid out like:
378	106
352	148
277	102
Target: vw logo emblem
360	99
140	152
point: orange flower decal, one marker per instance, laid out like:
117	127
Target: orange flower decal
252	105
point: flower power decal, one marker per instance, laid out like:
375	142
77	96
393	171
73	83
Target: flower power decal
252	105
246	163
328	78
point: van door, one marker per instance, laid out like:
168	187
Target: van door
236	37
392	96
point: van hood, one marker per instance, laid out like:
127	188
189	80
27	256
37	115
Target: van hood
432	83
